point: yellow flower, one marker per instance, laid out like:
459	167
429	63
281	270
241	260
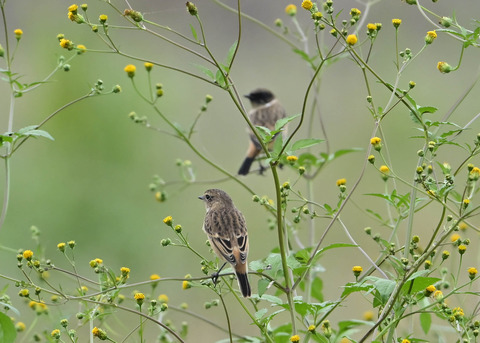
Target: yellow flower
24	292
186	284
445	254
430	37
28	254
371	159
384	169
357	270
55	333
312	328
139	296
341	182
292	159
18	33
355	12
475	173
154	277
84	290
168	220
66	44
103	18
429	290
148	66
81	48
102	335
461	249
20	326
352	39
73	8
405	340
125	272
130	70
444	67
396	23
368	315
466	202
438	295
472	272
307	4
163	298
295	339
61	246
375	140
458	312
371	27
454	237
291	10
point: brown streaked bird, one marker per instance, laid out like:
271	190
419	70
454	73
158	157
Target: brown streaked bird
227	232
266	110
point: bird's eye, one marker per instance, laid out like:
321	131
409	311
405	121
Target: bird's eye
208	197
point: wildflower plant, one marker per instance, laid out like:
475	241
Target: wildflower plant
407	275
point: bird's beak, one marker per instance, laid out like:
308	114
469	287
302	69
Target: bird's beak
247	96
201	197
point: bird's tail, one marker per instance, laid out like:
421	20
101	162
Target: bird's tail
244	284
245	167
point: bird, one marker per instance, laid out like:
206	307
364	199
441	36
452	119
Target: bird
266	110
226	229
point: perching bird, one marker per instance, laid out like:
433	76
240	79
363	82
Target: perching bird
266	110
227	232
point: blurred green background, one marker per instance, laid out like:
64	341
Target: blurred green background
91	184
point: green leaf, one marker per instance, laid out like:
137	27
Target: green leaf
7	329
231	52
427	109
272	299
205	71
305	143
353	287
32	131
194	33
425	322
418	283
284	121
219	78
262	286
265	134
317	288
260	313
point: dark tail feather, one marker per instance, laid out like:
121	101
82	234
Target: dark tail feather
244	284
247	163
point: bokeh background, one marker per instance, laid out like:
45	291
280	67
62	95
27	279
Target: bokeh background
91	184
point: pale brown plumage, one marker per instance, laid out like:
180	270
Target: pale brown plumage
266	110
227	232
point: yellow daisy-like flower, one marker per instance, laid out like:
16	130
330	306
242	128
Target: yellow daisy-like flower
355	12
312	328
55	333
139	296
472	272
295	339
18	33
438	295
375	140
73	8
357	270
61	246
429	290
462	226
125	271
291	10
462	249
186	284
20	326
292	158
163	298
154	277
103	18
396	23
307	4
24	292
458	313
384	169
371	27
475	173
454	237
368	315
341	182
168	220
99	333
445	254
352	39
81	48
430	37
466	202
28	254
130	70
148	66
405	340
66	44
444	67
